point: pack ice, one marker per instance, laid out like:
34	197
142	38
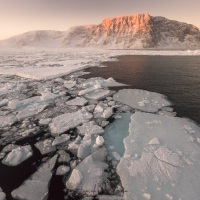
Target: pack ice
161	159
36	187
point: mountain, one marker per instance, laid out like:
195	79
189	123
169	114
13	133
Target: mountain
41	38
132	31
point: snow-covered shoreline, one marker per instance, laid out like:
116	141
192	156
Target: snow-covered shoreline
74	116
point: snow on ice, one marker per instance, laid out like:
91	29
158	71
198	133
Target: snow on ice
18	155
167	162
142	100
68	121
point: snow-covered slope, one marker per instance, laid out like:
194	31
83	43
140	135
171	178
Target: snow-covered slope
132	31
136	31
41	38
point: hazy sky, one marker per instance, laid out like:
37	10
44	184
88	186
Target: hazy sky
18	16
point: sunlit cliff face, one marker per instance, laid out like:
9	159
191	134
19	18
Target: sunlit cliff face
129	25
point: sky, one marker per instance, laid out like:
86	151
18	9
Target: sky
19	16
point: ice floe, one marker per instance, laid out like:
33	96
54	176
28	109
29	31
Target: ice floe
87	178
78	101
89	128
18	155
160	160
68	121
142	100
62	170
36	187
46	146
8	120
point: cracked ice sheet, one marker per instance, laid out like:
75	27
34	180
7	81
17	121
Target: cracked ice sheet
142	99
168	169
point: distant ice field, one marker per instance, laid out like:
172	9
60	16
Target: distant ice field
46	63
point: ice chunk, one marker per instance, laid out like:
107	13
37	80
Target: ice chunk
154	141
69	84
99	94
45	146
90	89
36	187
78	101
9	148
68	121
4	102
62	170
31	110
8	120
63	156
99	140
2	195
108	112
75	144
87	146
18	155
92	173
74	179
60	139
89	128
170	167
45	121
141	99
110	82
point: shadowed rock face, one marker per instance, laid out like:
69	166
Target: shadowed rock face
132	31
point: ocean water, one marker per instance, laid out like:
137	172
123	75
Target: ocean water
177	77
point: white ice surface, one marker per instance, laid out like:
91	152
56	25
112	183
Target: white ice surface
168	169
142	99
60	139
8	120
78	101
36	187
89	128
45	146
18	155
89	174
68	121
2	195
52	63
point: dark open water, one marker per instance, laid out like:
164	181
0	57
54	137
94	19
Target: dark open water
177	77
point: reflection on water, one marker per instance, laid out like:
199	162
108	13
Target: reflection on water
177	77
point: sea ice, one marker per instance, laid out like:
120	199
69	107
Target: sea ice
2	195
89	175
60	139
36	187
18	155
99	94
69	84
8	120
141	99
166	158
45	121
89	128
78	101
108	112
31	110
45	146
68	121
62	170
